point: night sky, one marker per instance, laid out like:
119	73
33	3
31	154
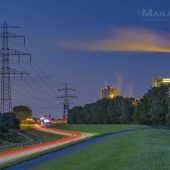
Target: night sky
88	43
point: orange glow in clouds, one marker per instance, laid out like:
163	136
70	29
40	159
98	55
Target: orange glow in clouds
127	39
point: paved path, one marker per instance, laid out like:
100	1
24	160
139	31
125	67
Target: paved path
36	161
14	154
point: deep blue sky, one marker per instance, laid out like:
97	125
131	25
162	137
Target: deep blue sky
46	23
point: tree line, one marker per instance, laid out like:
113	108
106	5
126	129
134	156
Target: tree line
152	108
14	118
10	123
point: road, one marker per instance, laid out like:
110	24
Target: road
36	161
14	154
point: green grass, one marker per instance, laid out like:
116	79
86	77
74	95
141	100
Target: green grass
96	128
144	149
38	154
11	139
31	136
38	136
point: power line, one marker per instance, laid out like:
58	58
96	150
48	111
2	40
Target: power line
66	96
30	93
6	70
39	72
41	89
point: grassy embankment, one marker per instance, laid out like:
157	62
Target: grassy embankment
39	136
146	148
10	138
97	129
26	136
92	129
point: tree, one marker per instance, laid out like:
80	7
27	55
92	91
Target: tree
9	121
22	113
153	107
118	110
141	115
73	114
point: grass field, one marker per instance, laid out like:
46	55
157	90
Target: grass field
39	136
29	136
96	128
144	149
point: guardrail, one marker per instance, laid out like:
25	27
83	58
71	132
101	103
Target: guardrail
23	146
20	145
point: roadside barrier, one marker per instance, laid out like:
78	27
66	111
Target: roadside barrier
71	136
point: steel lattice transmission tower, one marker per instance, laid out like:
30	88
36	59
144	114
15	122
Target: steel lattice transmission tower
6	70
66	96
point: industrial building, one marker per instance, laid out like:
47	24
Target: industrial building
109	92
158	81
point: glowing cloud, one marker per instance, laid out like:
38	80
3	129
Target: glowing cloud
127	39
119	81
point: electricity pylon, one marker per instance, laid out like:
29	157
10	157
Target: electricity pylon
6	70
66	96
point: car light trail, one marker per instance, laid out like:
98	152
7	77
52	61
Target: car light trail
70	136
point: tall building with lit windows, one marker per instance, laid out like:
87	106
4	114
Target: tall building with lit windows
109	92
158	81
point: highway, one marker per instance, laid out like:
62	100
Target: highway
39	160
14	154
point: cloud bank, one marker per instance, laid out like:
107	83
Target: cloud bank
126	39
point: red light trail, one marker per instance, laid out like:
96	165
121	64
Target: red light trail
13	154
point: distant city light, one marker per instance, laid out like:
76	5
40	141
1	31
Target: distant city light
109	92
46	120
166	80
41	118
158	81
111	96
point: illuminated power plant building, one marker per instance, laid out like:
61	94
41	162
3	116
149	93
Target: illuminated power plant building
158	81
110	92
